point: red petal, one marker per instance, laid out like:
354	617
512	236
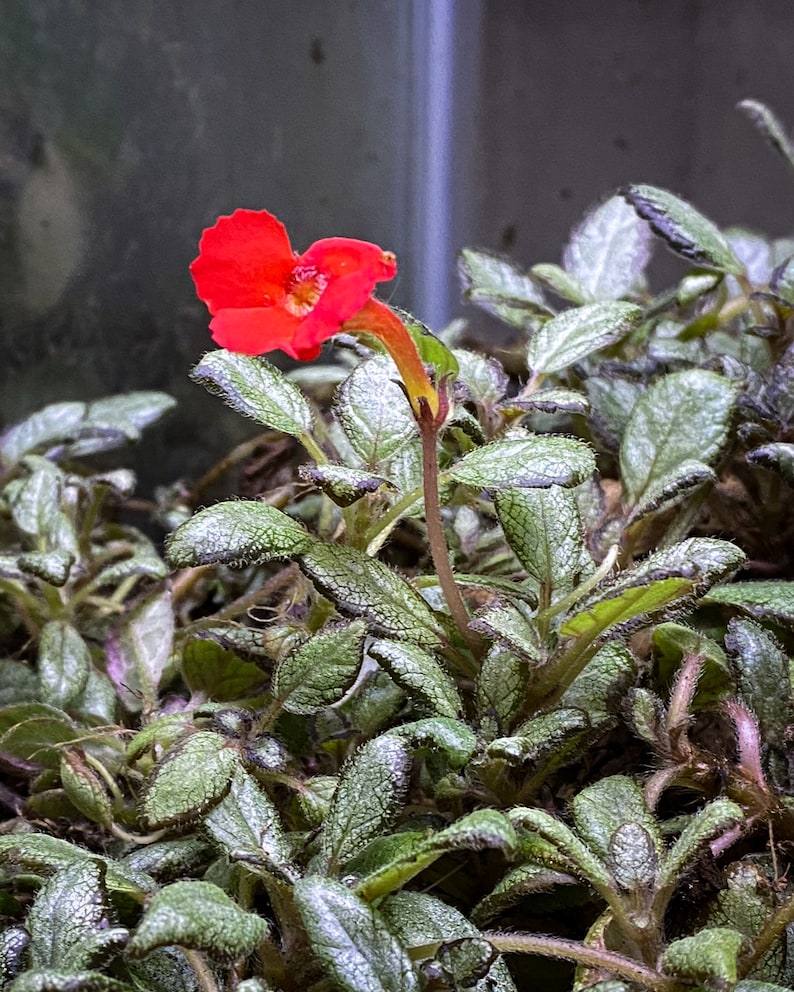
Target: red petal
244	259
341	256
253	331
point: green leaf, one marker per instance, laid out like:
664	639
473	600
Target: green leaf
711	955
85	789
357	949
36	507
535	461
484	378
478	831
192	777
172	859
374	412
574	334
64	663
246	825
763	677
666	491
544	529
13	943
372	786
163	969
41	854
256	389
114	421
236	533
18	683
560	282
420	676
500	689
769	600
138	651
684	416
608	252
68	923
686	231
198	916
714	819
362	586
777	456
452	737
53	567
546	741
552	400
507	623
602	684
628	606
572	854
495	284
612	817
770	127
344	485
432	349
419	919
55	980
611	400
56	422
320	671
36	739
212	672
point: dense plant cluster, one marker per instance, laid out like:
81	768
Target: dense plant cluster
270	757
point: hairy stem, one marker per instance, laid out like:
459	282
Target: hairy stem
437	541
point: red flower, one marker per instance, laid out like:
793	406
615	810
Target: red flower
264	296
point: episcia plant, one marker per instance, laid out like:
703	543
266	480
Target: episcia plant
487	683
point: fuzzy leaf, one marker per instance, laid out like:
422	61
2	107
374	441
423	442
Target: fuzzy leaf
574	334
246	825
686	231
420	919
768	600
608	251
603	808
702	560
666	491
211	671
574	855
777	456
13	943
553	400
56	422
602	682
560	282
452	737
713	820
498	286
352	941
711	955
199	916
362	586
628	606
236	532
37	739
56	980
256	389
372	786
545	742
344	485
682	417
500	688
506	623
484	378
321	669
68	923
544	529
611	400
192	777
477	831
420	676
53	566
770	127
35	504
763	677
64	664
139	650
541	460
374	412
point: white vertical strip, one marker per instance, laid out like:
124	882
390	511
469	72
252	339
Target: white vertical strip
434	70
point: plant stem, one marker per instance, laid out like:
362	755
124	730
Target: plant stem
437	541
769	935
591	957
204	976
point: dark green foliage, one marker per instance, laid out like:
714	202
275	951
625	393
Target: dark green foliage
268	759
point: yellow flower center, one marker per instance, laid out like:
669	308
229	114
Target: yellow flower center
305	289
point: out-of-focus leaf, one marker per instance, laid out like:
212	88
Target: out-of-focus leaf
344	485
683	228
764	684
770	127
138	651
608	251
560	282
64	663
777	456
211	671
256	389
498	286
683	417
199	916
765	600
484	378
711	956
574	334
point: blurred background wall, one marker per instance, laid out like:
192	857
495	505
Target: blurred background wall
423	125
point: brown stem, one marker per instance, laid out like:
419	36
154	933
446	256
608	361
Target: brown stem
437	540
591	957
770	934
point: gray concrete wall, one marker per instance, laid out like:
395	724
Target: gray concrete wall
420	124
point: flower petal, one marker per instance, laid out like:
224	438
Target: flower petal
245	260
255	330
341	256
